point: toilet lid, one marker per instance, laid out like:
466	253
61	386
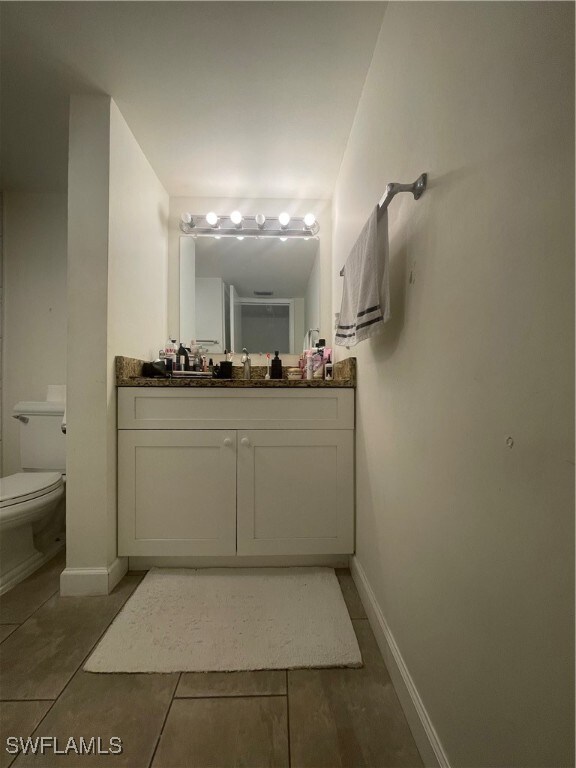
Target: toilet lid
27	485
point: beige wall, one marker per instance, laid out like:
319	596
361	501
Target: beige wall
87	461
34	322
137	271
270	207
468	544
117	241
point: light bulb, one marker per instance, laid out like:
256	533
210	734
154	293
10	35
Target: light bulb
284	219
309	220
260	219
217	237
240	237
212	219
186	218
283	239
236	217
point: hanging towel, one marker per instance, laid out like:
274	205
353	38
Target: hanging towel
366	291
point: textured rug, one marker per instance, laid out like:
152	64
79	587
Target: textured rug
229	619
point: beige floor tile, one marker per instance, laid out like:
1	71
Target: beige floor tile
257	683
351	596
6	630
130	707
19	719
349	718
25	598
40	657
224	733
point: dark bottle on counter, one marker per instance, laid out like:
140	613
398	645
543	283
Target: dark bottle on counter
183	358
276	367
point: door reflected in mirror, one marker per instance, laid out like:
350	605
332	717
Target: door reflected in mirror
261	294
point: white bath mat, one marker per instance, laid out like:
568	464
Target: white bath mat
229	619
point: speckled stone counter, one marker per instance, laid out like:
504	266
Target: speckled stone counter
129	374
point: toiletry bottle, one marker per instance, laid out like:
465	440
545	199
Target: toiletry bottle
247	363
211	366
170	350
196	363
267	377
170	355
183	358
328	369
310	364
276	367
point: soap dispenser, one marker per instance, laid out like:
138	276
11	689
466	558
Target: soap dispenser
276	367
247	363
183	358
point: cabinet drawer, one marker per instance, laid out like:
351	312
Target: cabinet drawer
163	408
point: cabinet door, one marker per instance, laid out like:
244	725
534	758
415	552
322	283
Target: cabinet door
295	492
176	492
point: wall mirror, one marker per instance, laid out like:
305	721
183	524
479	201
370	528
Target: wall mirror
262	294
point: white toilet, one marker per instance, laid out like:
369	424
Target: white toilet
32	507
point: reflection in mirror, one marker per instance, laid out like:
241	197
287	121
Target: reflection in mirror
262	294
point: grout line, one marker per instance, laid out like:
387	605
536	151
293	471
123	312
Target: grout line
288	722
75	672
42	604
230	696
23	701
168	708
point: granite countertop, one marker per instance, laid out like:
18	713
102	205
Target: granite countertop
129	374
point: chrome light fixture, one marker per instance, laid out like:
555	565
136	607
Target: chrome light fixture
234	225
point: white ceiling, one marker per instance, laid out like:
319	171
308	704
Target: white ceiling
258	265
225	98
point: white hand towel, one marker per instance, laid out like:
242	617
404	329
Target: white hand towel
366	291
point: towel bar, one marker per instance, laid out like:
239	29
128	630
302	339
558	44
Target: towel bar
417	188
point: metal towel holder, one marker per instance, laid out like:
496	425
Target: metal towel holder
417	188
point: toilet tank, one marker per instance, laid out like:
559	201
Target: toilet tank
42	442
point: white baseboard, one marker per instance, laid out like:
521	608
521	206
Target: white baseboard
79	582
145	562
424	733
116	572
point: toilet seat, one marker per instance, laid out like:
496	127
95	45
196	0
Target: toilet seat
24	486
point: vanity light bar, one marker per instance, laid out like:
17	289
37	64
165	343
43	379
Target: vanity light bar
248	226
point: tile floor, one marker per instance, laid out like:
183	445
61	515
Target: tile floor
317	718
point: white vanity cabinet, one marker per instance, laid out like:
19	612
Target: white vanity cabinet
235	471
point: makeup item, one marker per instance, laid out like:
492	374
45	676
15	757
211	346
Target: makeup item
294	374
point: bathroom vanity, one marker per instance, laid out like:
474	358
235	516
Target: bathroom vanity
225	468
